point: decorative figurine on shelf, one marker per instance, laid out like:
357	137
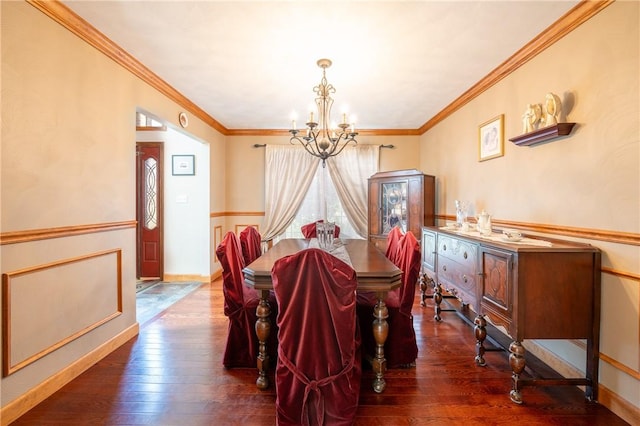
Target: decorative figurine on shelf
531	117
553	109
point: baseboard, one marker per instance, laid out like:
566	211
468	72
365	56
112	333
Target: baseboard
216	275
606	397
620	406
19	406
184	278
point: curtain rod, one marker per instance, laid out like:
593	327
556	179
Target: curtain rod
262	145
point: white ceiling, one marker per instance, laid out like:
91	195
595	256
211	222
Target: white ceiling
250	64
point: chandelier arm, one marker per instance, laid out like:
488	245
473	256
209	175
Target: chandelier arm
346	142
304	144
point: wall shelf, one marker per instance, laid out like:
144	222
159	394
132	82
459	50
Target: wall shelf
543	135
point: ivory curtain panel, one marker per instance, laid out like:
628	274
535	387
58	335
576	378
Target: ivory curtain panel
349	172
288	174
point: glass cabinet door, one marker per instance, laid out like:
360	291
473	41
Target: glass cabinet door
394	206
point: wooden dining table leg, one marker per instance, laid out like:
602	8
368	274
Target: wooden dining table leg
380	333
263	330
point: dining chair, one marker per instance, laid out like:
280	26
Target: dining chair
393	243
240	303
400	349
251	243
319	363
309	230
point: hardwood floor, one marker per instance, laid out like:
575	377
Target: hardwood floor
172	374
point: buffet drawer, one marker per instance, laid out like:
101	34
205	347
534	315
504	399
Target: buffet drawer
458	280
461	251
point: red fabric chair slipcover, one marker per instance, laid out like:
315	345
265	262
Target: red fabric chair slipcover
393	243
251	243
401	348
240	302
309	230
319	365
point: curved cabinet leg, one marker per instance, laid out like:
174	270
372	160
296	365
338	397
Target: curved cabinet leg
263	330
437	299
425	283
517	363
380	333
480	331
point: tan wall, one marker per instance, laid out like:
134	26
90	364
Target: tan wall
590	179
68	160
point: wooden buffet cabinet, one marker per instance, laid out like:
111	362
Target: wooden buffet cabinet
532	290
404	198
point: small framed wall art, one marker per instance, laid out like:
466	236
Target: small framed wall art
183	165
491	138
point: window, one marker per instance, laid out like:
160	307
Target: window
320	202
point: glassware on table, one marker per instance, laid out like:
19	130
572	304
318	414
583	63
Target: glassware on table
325	232
461	213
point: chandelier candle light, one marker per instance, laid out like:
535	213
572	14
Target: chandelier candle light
324	142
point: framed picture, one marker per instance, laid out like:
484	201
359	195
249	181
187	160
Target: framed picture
491	138
183	165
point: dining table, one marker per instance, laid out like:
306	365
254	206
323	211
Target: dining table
374	272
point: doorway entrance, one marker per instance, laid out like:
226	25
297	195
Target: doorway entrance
149	211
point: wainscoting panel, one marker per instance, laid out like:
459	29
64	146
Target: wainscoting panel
47	306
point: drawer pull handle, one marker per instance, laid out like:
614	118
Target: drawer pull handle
444	247
465	255
444	268
464	278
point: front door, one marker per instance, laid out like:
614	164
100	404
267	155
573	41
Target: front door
149	211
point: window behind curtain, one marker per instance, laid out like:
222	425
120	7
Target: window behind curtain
320	202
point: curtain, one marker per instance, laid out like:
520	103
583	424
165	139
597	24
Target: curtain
289	171
349	172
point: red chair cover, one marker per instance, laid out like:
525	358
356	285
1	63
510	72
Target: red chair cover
319	366
401	348
251	243
393	244
309	230
240	302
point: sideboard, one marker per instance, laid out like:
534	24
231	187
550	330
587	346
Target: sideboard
530	289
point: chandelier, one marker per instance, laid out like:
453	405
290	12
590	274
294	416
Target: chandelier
319	139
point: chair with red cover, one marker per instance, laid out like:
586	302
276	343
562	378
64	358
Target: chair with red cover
240	302
319	365
400	348
309	230
393	243
251	243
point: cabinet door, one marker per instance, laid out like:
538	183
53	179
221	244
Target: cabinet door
497	285
393	210
428	250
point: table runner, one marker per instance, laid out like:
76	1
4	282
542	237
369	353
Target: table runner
337	249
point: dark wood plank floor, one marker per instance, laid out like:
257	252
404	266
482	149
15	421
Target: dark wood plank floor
172	374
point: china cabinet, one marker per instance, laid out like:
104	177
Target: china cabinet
515	290
404	198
